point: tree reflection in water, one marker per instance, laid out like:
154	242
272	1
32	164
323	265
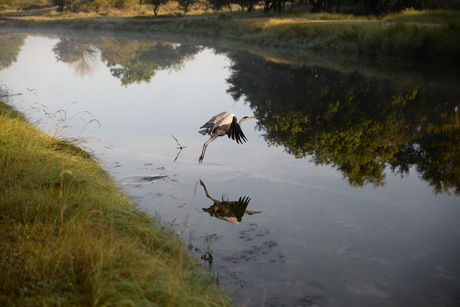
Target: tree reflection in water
229	211
81	54
131	61
11	45
360	125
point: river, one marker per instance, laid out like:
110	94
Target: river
345	194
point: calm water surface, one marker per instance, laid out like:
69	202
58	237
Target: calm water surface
347	192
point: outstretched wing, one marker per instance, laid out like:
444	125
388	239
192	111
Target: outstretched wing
209	125
235	132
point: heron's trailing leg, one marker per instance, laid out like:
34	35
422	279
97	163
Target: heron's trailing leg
200	159
205	145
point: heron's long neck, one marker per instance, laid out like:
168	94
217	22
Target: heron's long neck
245	119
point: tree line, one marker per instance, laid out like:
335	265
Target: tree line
333	6
356	7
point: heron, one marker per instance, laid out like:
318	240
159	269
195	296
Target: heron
223	124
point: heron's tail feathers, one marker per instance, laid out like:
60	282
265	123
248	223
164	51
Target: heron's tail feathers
204	131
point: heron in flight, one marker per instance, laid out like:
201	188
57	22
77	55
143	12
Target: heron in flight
223	124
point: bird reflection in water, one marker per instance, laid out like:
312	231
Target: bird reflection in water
229	211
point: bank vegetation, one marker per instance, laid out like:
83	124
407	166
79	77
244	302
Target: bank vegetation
400	33
70	237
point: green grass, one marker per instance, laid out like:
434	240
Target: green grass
70	237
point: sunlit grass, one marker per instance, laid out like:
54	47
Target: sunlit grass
70	237
441	17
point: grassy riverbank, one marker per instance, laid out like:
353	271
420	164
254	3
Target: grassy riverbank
416	36
70	237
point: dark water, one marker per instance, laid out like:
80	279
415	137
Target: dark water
346	193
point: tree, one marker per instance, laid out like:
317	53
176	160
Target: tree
317	5
185	4
60	4
219	4
156	4
246	4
